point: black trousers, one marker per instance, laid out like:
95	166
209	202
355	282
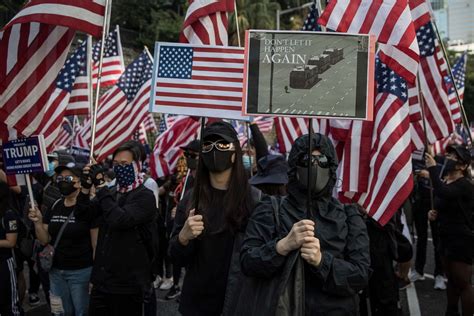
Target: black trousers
9	301
420	216
107	304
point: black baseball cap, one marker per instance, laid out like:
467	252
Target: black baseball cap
271	169
462	152
192	145
74	167
221	129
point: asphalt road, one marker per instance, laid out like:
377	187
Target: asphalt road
334	94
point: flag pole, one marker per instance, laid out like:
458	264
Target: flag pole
236	15
89	75
310	153
422	107
105	31
196	184
247	124
451	75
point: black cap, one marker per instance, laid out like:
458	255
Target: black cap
272	169
222	129
193	145
64	158
74	167
462	152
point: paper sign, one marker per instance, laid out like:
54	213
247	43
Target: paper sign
25	155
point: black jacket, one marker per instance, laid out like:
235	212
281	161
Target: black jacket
332	288
122	264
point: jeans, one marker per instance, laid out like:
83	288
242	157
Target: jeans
70	291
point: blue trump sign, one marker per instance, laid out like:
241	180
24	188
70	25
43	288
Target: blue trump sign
25	155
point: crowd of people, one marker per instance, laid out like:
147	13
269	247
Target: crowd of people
249	230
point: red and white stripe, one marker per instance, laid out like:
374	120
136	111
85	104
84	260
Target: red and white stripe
206	22
85	16
149	123
79	103
34	55
265	124
112	66
64	138
214	89
389	20
166	151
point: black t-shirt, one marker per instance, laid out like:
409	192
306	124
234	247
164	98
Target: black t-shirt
74	250
8	225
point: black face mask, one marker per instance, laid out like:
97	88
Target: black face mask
66	188
217	161
191	163
450	165
319	176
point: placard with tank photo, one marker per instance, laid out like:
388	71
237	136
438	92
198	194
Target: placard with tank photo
309	74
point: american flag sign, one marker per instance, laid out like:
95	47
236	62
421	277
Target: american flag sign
198	80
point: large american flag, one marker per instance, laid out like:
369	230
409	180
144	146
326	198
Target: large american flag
32	56
206	22
389	20
166	151
388	154
459	73
199	80
112	65
124	106
85	16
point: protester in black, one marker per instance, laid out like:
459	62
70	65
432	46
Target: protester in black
331	239
454	209
272	175
73	256
209	224
9	300
122	269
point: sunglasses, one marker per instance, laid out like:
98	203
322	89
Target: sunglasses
68	179
220	145
321	160
190	155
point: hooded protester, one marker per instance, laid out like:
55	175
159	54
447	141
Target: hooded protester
454	203
272	175
74	241
122	272
210	222
319	260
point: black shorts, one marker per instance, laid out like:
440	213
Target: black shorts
457	248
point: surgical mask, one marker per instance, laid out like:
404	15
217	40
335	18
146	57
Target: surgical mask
125	175
319	177
50	171
247	160
66	188
217	161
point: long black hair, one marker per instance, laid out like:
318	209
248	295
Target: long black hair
238	200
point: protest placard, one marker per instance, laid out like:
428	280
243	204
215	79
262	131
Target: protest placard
309	74
25	155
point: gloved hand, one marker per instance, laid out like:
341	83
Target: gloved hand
97	175
86	181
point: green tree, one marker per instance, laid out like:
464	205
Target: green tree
8	9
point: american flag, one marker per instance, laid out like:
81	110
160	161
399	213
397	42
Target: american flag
166	151
149	123
112	66
54	111
206	22
390	181
459	73
32	56
84	16
65	135
124	106
432	71
311	22
389	20
199	80
265	124
82	134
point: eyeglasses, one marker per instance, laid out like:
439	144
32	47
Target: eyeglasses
321	160
220	145
190	155
68	179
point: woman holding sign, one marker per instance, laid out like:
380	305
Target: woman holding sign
74	242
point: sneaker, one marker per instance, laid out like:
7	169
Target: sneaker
157	282
403	284
33	299
415	276
173	293
166	284
439	283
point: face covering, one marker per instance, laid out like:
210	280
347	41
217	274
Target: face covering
450	165
319	176
217	161
191	163
50	171
125	175
247	160
66	188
